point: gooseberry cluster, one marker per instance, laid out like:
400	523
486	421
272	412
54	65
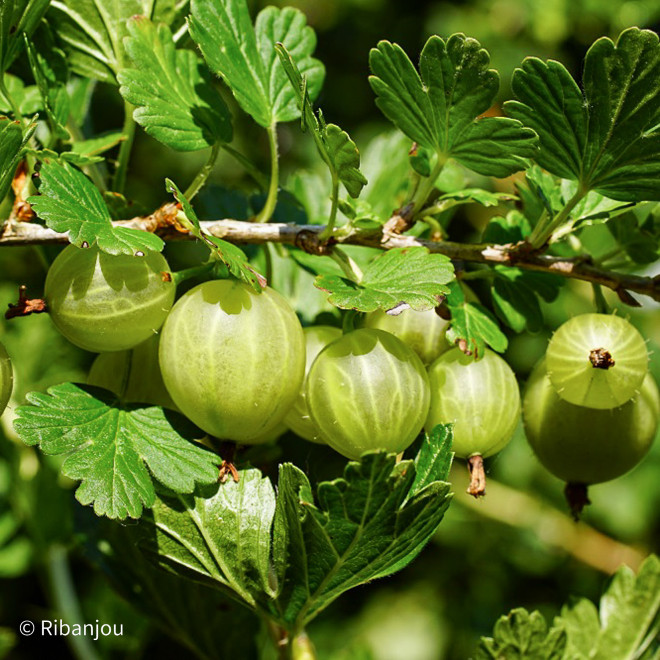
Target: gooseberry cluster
591	406
239	365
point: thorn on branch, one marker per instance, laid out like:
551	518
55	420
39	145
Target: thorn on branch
26	306
309	242
627	298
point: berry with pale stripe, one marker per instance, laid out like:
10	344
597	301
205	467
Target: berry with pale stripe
103	302
368	391
232	359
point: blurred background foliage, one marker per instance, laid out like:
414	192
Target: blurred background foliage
516	548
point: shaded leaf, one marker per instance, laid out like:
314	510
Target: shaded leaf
516	296
220	536
439	109
244	55
523	636
12	143
16	18
402	275
69	202
607	138
434	459
115	452
176	102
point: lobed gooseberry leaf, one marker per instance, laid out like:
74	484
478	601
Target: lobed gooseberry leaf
69	202
92	31
512	228
607	137
176	101
439	109
17	17
230	255
400	277
244	55
334	145
368	524
26	97
201	619
629	608
523	635
116	453
13	141
220	535
472	326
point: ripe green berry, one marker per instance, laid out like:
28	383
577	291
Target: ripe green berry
317	337
232	359
425	332
367	391
133	375
597	360
6	378
103	302
480	398
585	445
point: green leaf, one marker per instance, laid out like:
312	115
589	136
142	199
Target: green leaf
17	17
27	98
580	620
12	143
69	202
606	138
244	55
628	609
199	618
364	526
440	109
639	237
115	452
523	636
50	72
79	160
434	459
230	255
220	535
334	145
516	296
92	31
98	144
176	101
472	326
512	228
385	165
402	276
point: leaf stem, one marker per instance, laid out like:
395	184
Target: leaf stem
271	201
187	273
327	232
128	129
260	178
544	230
350	268
203	174
66	602
10	99
599	299
426	186
348	321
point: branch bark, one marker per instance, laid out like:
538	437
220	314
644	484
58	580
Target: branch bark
235	231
